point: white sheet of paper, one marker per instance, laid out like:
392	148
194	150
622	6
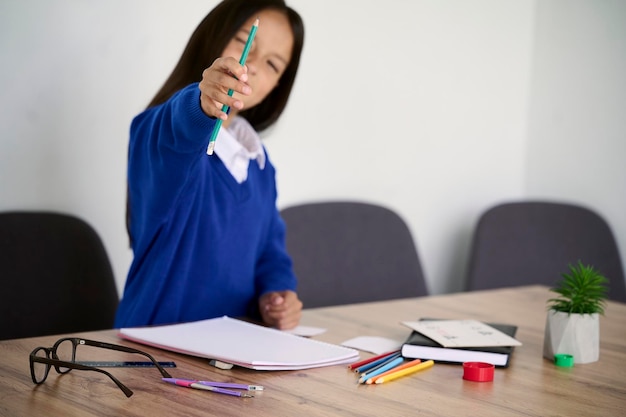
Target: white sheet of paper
373	344
461	333
241	343
306	331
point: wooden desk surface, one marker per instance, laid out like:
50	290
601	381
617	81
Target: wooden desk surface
531	386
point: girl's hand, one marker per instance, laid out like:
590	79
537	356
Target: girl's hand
224	74
280	309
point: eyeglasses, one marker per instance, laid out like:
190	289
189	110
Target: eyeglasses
63	357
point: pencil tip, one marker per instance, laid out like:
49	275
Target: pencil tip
256	22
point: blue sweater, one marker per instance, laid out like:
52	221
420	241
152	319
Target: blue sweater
204	246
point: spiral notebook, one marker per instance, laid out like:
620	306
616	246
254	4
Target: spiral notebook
243	344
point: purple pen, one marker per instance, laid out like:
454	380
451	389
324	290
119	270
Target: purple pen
232	385
220	390
194	384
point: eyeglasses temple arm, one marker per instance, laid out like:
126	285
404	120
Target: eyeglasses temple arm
59	363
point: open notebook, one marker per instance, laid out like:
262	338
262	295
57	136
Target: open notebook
243	344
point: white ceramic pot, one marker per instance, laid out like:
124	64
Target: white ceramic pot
574	334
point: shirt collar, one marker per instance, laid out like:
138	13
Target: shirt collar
237	145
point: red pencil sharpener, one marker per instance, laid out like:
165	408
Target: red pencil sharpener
478	371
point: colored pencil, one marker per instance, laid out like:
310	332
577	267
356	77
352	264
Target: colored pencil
375	363
397	368
404	372
390	364
372	359
381	364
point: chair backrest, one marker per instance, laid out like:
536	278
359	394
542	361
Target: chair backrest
56	276
533	242
351	252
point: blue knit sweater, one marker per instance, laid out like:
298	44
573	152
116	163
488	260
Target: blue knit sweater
204	246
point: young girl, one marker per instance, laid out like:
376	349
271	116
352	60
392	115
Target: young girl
205	231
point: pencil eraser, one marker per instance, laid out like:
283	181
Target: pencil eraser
478	371
220	364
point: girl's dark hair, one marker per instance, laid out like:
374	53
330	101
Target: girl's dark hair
208	42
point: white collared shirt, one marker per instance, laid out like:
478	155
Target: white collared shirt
237	145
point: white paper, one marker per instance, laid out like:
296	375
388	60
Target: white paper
242	343
373	344
462	333
306	331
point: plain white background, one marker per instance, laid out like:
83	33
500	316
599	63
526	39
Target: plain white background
438	109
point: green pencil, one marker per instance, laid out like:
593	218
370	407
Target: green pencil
242	61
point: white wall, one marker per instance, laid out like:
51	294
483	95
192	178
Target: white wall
577	141
426	106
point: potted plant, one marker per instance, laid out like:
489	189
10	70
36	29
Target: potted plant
573	324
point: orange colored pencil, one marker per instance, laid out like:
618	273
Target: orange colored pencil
397	368
407	371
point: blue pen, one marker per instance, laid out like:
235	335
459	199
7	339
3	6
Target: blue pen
392	364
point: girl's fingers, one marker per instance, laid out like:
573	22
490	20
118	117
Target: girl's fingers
227	74
231	66
217	80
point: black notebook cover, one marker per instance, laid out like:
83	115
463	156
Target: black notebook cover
418	346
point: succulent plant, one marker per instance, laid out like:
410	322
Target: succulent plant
582	291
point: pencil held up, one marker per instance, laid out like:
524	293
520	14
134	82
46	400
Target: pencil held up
225	108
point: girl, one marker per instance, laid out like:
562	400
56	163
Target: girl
206	234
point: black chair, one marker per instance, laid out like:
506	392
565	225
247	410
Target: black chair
351	252
523	243
56	276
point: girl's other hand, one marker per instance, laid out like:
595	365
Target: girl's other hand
224	74
281	309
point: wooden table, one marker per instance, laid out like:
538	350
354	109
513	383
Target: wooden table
531	386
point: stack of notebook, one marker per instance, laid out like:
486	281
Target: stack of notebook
458	341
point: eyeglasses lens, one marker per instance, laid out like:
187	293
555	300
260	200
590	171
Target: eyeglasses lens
40	370
66	352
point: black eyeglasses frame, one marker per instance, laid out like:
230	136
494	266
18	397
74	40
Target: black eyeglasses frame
52	360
